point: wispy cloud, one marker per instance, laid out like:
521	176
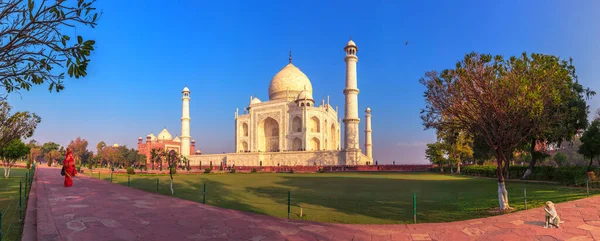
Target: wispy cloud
412	144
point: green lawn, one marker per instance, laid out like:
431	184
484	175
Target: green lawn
353	197
9	204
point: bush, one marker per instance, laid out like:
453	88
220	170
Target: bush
208	170
78	169
291	170
567	175
173	170
232	170
321	170
254	170
220	168
28	165
90	165
130	170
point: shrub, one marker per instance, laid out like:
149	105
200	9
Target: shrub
173	170
321	170
220	168
90	165
28	165
254	170
232	170
78	169
291	170
207	170
130	170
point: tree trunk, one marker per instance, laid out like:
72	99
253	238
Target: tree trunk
9	168
458	169
5	172
529	170
590	166
502	193
172	191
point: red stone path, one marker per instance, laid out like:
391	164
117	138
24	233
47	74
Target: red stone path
98	210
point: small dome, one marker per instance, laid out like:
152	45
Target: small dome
140	138
351	43
198	152
289	80
305	95
368	109
164	135
177	139
152	137
186	89
255	101
115	145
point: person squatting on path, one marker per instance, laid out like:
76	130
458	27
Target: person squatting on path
69	167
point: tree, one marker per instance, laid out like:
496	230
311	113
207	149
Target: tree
79	147
15	126
10	153
172	159
50	146
591	142
457	146
435	154
34	42
562	120
500	100
560	159
154	156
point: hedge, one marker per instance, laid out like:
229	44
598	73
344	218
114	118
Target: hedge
568	175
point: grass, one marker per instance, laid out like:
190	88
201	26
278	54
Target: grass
368	198
9	204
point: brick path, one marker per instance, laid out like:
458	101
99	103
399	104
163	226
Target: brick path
97	210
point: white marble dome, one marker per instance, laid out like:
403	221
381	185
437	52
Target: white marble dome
177	139
255	101
289	80
305	95
164	135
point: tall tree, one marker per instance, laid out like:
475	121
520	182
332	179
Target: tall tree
34	46
10	153
154	153
79	147
501	100
17	125
591	142
171	159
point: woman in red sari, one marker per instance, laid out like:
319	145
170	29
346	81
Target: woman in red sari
70	170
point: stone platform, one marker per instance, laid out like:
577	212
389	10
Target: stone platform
98	210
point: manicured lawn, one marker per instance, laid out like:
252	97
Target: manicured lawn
373	198
9	204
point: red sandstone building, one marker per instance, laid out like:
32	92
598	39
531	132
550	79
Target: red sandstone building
164	141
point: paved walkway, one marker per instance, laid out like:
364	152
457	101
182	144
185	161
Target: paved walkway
97	210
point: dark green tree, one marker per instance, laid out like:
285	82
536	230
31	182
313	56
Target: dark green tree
435	154
591	142
560	159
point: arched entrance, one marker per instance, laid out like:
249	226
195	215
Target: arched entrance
315	144
268	135
297	144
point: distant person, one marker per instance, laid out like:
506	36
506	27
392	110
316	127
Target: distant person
69	168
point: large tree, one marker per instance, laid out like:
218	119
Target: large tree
10	153
435	154
35	47
591	142
79	147
502	100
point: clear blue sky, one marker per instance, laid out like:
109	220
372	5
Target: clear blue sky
225	51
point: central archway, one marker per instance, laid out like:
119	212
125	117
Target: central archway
268	135
297	144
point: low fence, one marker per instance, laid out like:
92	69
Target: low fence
13	215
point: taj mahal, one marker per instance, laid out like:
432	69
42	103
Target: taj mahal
289	129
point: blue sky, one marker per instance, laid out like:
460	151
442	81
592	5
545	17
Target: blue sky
225	51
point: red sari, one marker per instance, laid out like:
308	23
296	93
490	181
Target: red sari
70	170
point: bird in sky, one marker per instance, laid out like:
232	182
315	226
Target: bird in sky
406	43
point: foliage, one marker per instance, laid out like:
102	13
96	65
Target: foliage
79	147
10	153
207	170
567	175
591	142
560	159
130	170
254	170
173	170
18	125
34	43
232	170
501	100
435	153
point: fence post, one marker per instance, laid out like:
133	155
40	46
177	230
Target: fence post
525	195
204	195
415	207
157	184
98	174
128	180
289	198
20	202
111	177
587	184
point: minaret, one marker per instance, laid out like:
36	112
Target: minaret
351	119
185	122
368	131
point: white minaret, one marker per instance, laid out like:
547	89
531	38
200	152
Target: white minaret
368	131
185	122
351	119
